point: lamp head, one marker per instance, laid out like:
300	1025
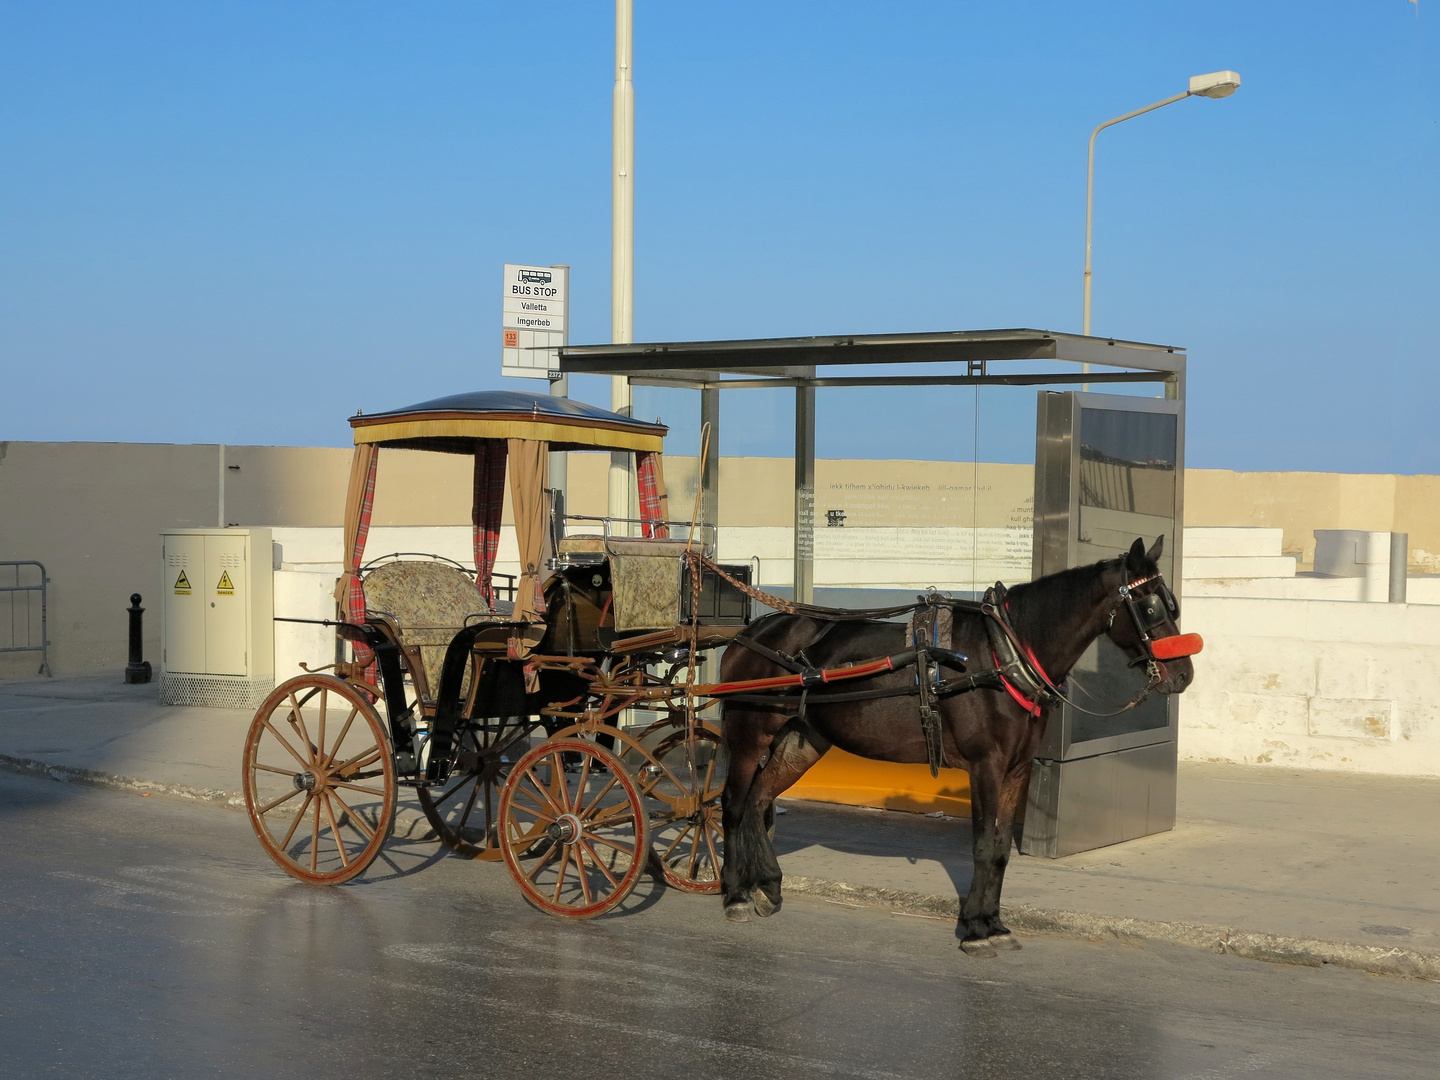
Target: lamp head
1217	84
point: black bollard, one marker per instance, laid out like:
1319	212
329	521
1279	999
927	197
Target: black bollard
137	670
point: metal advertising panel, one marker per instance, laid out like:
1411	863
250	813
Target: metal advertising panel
534	319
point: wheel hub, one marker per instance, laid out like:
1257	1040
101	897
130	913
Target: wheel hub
564	830
306	781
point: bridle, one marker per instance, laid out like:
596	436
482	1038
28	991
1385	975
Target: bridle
1149	612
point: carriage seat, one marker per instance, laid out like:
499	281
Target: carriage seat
427	604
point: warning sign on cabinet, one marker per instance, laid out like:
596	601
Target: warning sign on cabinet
223	586
182	585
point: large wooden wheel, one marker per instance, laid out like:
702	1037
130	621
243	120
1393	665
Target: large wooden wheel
573	835
686	779
464	811
319	779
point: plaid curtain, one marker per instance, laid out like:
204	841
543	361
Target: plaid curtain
359	504
651	479
490	455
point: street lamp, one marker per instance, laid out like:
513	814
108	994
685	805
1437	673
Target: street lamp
1217	84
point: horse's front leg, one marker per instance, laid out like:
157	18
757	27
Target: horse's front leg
995	795
797	746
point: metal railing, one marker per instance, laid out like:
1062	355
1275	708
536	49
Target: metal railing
21	620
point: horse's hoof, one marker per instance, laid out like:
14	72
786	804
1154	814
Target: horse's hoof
764	906
738	911
977	947
1005	942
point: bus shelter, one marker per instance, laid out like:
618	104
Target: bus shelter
1108	467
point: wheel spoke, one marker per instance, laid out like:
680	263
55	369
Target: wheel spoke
535	811
458	785
586	815
550	853
358	762
276	802
335	829
345	730
675	843
710	843
564	863
580	870
304	765
355	819
272	768
315	839
600	865
585	760
297	719
299	817
469	805
356	787
530	775
622	848
320	747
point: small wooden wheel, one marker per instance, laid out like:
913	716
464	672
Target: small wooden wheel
464	810
574	835
319	779
687	841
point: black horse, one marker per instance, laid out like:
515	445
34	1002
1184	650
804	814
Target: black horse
993	730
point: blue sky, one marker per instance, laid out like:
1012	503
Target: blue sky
239	222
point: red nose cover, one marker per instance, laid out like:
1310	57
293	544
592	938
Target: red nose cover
1170	648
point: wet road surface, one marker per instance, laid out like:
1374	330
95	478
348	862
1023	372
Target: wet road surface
146	937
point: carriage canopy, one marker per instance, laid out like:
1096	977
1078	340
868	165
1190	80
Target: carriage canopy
503	430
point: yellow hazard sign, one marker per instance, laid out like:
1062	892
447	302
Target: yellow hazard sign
223	586
182	585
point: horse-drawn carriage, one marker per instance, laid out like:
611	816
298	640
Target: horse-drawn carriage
515	720
451	684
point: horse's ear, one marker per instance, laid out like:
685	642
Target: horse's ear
1135	555
1154	553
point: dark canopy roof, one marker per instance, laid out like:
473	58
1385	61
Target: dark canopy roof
452	424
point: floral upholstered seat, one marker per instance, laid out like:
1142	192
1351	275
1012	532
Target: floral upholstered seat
427	602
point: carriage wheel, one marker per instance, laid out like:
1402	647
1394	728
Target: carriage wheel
464	811
687	841
319	779
574	836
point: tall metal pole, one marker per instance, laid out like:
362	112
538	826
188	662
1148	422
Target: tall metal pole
622	240
1090	196
558	469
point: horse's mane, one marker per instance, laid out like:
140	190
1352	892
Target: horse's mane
1048	601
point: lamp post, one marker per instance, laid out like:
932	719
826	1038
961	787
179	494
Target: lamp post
622	237
1217	84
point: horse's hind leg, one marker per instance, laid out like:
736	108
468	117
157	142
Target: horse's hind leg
746	742
796	747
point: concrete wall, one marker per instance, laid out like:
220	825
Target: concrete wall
1314	683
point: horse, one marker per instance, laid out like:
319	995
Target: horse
992	730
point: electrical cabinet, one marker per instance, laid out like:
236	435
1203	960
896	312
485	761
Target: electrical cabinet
217	628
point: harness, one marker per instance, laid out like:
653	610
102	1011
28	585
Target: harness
1015	668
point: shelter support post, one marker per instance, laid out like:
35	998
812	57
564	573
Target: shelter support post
805	494
709	478
559	467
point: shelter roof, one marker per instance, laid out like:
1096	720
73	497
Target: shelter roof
794	361
452	424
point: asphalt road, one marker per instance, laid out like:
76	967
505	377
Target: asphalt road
145	937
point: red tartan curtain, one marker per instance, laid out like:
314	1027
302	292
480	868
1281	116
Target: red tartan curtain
490	455
651	479
359	504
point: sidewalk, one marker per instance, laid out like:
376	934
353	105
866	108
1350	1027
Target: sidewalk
1290	865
